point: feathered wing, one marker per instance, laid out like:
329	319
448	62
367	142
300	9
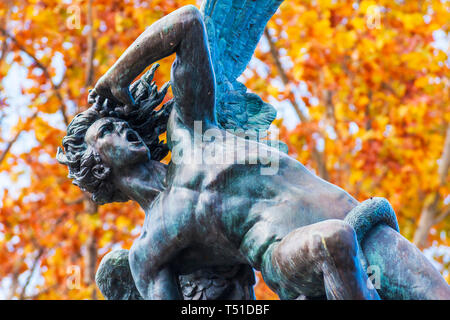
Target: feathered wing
219	283
234	29
114	279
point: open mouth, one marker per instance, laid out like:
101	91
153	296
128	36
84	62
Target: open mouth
132	137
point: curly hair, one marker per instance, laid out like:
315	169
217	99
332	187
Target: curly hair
149	122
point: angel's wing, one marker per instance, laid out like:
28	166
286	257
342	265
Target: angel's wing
234	28
219	283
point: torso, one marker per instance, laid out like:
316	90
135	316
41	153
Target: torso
219	214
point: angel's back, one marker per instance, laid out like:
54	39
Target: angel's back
249	193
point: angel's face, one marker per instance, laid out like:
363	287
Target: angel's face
117	144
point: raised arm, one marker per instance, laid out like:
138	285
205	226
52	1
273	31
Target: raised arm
192	79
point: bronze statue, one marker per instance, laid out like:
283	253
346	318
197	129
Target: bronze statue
263	209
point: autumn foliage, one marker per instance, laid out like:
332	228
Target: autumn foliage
363	93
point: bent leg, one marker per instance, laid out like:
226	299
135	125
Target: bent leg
317	260
405	273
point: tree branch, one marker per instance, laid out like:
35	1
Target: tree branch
90	207
32	269
14	139
282	73
41	251
3	23
44	69
428	216
91	44
4	48
15	279
34	296
445	159
316	155
442	216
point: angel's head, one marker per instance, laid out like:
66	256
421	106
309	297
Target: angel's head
101	140
116	143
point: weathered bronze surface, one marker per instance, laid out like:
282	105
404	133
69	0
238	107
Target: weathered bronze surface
208	223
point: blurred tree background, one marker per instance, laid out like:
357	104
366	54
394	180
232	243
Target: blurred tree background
362	90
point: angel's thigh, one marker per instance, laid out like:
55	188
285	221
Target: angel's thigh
313	257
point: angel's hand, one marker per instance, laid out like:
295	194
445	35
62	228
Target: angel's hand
107	107
109	90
